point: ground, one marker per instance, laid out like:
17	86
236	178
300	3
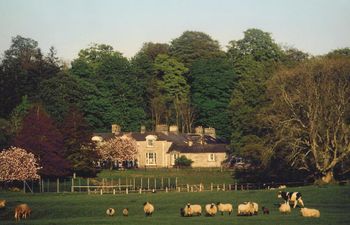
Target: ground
80	208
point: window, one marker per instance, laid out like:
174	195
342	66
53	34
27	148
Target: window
211	157
151	158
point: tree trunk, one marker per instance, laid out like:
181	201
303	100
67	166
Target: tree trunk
328	177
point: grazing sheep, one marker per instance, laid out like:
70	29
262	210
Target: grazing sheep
282	186
211	209
110	212
265	210
125	212
245	209
224	208
256	207
306	212
294	197
148	208
285	208
2	204
23	211
193	210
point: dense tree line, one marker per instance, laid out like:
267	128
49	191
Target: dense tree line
251	93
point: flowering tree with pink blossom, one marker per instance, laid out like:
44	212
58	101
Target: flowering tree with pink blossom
16	164
118	149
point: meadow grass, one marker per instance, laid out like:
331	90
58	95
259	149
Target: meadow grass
75	208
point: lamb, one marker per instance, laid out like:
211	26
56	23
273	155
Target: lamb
148	208
224	208
306	212
285	208
22	210
110	212
245	209
125	212
211	209
2	204
192	210
265	210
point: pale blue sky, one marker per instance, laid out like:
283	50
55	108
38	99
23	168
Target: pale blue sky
314	26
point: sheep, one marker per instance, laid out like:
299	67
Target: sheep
224	208
2	204
282	186
306	212
148	208
22	210
182	212
245	209
211	209
256	207
265	210
110	212
285	208
125	212
192	210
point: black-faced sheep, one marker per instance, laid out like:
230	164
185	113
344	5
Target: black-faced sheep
224	208
265	210
306	212
148	208
192	210
211	209
294	197
22	210
125	212
245	209
284	208
110	212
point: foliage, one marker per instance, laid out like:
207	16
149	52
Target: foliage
183	161
118	149
212	84
40	137
5	133
308	113
17	165
18	113
194	45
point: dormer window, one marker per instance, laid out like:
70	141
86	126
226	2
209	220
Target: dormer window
151	141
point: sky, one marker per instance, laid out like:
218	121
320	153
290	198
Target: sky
313	26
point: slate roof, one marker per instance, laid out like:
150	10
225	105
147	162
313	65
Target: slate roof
179	141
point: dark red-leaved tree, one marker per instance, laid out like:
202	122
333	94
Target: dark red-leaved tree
79	149
40	136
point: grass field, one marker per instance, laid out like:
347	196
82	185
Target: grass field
185	176
75	209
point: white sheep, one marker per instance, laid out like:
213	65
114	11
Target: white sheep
282	186
192	210
125	212
284	208
110	212
306	212
148	208
211	209
256	207
245	209
224	208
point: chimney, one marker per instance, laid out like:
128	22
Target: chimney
116	129
174	129
210	131
143	129
163	128
198	130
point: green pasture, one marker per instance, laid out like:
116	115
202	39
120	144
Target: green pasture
78	208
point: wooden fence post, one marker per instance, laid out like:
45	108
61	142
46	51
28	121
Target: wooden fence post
127	190
175	182
72	188
211	186
58	185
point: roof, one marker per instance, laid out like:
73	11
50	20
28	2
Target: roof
180	142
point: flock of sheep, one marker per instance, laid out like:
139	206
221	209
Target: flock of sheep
244	209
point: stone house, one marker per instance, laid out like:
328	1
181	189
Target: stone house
162	147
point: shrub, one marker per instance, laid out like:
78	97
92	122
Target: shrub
183	161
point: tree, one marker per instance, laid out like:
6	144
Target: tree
18	165
256	44
118	149
5	133
18	113
40	137
308	114
212	84
192	46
